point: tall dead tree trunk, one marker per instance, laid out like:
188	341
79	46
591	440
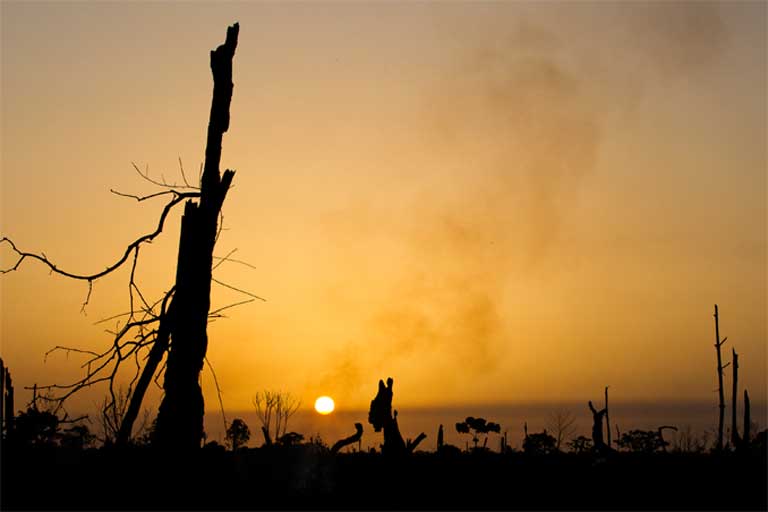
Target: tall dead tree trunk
607	419
720	392
735	440
747	420
6	401
180	418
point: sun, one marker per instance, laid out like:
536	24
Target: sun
324	405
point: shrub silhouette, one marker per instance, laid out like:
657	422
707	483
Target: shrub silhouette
290	439
641	441
540	443
581	444
35	427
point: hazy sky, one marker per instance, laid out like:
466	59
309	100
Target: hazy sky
488	201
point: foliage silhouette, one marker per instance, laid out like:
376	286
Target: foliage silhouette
540	443
238	434
477	426
580	444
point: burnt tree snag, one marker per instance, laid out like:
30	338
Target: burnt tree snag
747	420
6	401
354	438
607	419
180	417
735	440
381	416
597	428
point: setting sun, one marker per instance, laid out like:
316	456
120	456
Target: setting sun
324	405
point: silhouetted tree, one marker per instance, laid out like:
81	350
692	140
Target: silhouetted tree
720	391
561	425
354	438
642	441
238	434
180	417
477	426
113	409
274	409
290	439
36	427
381	416
735	439
747	420
581	444
6	401
539	443
597	428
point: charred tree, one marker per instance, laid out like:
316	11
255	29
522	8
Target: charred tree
381	416
354	438
607	419
720	391
660	432
180	417
6	401
597	428
735	440
747	420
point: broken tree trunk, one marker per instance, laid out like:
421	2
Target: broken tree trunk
6	400
354	438
735	440
747	420
180	418
607	419
410	446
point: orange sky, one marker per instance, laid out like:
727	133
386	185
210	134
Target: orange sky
489	201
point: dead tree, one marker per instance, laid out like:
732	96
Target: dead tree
175	325
354	438
735	440
381	416
662	443
607	419
747	420
6	401
274	409
597	428
720	392
180	417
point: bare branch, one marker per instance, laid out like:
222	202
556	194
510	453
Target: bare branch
163	183
228	259
225	285
215	313
92	277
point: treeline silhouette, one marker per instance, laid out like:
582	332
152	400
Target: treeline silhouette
50	462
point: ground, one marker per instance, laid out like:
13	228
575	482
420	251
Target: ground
309	477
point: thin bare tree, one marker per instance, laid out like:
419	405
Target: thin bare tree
274	409
561	424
